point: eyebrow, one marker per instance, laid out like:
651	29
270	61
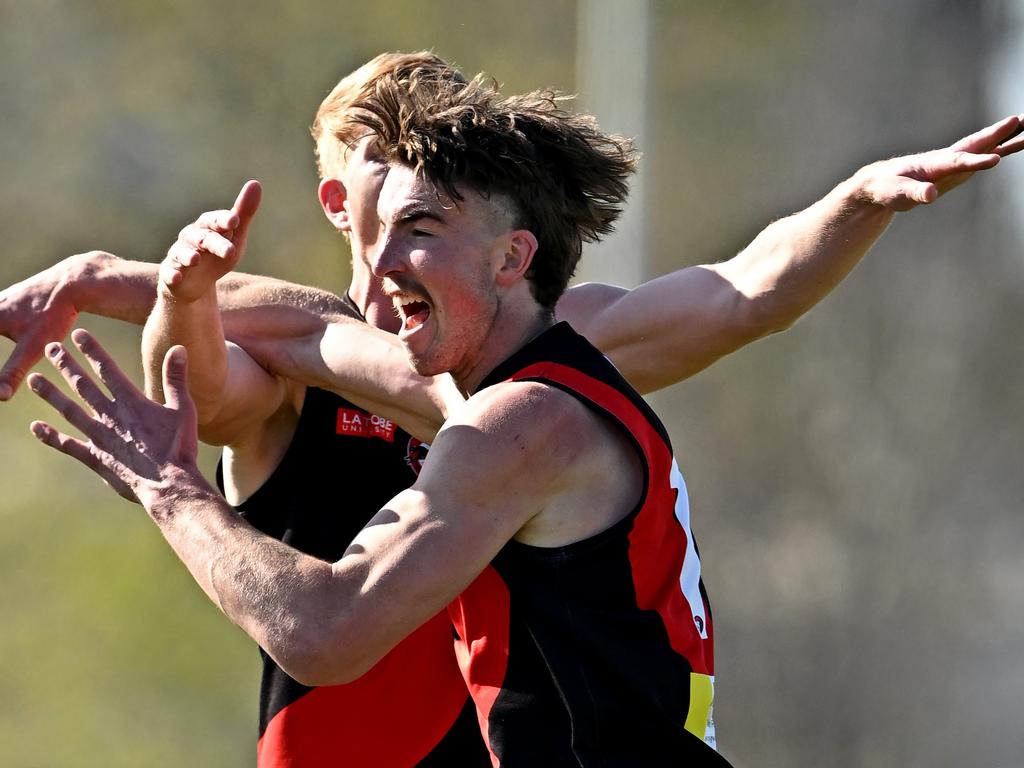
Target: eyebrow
415	211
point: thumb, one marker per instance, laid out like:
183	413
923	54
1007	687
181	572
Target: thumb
175	376
248	201
245	207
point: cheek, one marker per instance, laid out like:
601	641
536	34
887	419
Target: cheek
475	297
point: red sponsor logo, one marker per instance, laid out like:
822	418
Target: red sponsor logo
356	423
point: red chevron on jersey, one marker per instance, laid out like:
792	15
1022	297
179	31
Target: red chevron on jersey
391	716
657	542
597	652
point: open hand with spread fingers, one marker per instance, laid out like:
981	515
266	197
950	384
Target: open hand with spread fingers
145	451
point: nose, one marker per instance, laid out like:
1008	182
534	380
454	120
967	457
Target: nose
385	258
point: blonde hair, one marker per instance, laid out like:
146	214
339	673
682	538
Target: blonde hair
334	130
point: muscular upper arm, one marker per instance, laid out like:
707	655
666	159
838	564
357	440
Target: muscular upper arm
666	329
489	472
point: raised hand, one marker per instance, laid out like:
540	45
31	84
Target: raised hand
140	448
33	312
209	248
905	182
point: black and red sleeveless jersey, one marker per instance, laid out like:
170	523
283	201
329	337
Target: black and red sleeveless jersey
598	653
412	707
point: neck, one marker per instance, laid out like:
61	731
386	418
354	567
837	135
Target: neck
504	339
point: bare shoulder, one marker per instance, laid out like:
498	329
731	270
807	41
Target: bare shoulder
524	417
582	303
566	469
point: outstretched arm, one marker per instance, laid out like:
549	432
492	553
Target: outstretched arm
44	307
676	325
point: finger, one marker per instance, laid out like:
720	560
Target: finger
1013	143
905	193
120	386
100	463
68	408
990	137
248	200
175	378
196	238
940	163
246	205
171	271
76	377
218	221
181	254
27	353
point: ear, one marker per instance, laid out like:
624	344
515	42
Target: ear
334	201
519	251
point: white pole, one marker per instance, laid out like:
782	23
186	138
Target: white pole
611	77
1007	96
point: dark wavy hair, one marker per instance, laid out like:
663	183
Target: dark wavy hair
565	180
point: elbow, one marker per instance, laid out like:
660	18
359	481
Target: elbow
755	317
206	410
316	655
777	323
765	314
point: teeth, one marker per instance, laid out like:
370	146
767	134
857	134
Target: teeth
403	303
408	309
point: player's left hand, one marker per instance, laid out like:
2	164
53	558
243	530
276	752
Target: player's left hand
905	182
33	312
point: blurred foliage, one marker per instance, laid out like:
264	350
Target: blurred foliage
856	481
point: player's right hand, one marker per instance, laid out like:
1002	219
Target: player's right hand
209	248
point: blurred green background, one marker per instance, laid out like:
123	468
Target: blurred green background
856	482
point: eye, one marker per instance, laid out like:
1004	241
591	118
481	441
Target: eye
420	232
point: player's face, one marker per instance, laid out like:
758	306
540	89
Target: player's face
438	260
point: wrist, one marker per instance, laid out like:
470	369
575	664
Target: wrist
83	278
180	489
857	198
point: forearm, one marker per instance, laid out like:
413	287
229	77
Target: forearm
363	364
100	283
796	261
280	597
196	325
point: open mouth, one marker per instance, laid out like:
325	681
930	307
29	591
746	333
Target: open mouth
413	313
